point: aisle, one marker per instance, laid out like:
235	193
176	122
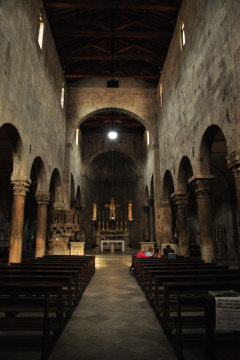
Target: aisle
113	320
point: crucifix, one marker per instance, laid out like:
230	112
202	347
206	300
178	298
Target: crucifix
112	208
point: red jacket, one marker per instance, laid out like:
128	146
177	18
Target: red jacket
141	254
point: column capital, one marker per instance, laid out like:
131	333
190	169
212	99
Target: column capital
42	199
20	186
233	160
203	185
180	200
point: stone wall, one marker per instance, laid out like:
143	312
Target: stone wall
135	97
30	84
201	83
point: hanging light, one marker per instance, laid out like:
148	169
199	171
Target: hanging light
112	134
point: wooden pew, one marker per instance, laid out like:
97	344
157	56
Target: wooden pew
192	310
42	325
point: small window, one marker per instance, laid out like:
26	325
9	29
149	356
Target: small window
147	137
161	94
183	37
77	135
62	96
40	31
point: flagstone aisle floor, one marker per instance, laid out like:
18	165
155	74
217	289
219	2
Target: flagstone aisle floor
113	319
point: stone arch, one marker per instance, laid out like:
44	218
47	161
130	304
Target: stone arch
146	196
38	168
222	198
186	210
38	186
112	174
185	172
55	188
12	136
72	193
78	198
127	156
152	188
13	166
110	109
167	186
211	138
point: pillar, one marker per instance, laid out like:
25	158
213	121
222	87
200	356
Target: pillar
165	222
42	202
157	195
146	223
203	191
20	189
181	201
233	160
151	220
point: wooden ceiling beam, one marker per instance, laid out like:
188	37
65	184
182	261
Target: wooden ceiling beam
163	35
109	5
109	76
114	57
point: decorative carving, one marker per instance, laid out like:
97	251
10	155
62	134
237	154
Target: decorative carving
64	224
180	200
203	187
233	160
42	199
20	187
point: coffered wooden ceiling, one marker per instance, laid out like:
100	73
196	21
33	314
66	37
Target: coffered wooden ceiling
112	39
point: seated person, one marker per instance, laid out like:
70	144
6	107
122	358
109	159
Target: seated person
149	252
141	254
157	254
169	252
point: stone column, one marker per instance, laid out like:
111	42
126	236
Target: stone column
166	222
20	189
203	191
181	201
67	175
42	202
157	195
146	222
151	220
233	160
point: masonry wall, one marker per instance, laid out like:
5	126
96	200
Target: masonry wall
30	84
134	96
201	83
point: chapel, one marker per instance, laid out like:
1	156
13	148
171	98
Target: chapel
119	128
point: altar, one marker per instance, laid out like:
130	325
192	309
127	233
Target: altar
112	242
116	236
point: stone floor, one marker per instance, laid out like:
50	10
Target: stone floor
113	319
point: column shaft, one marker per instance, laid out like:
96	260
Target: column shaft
20	188
203	189
180	201
42	201
146	223
166	223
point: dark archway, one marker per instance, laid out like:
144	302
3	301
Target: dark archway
112	174
212	160
11	163
38	184
168	213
